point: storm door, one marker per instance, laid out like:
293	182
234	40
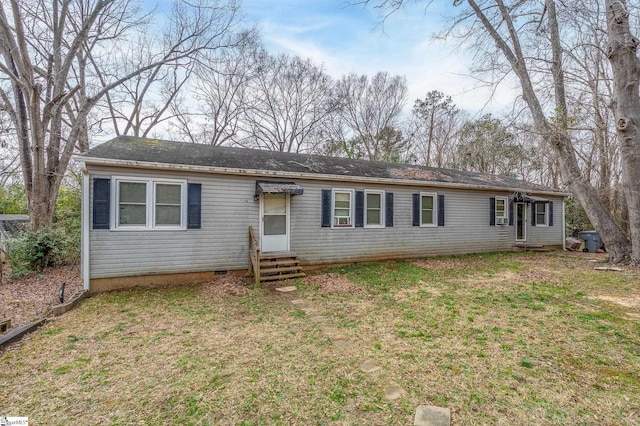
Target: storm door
274	226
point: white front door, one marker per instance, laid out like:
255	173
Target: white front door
274	223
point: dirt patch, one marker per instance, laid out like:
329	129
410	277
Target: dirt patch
436	264
333	283
627	302
226	285
29	298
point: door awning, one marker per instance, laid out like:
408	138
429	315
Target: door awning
522	197
267	187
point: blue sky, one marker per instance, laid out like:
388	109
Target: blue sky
346	38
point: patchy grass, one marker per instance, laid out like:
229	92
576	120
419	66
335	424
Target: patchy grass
498	338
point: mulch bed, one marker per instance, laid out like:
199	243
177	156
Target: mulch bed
27	299
333	283
230	284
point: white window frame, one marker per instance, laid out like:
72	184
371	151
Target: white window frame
506	211
435	209
382	208
546	214
150	203
351	208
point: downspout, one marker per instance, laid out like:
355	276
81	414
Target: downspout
85	225
564	227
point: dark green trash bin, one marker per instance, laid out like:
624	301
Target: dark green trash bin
592	240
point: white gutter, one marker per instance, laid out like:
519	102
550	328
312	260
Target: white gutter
85	220
300	175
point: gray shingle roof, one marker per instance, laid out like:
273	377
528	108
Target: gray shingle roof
127	148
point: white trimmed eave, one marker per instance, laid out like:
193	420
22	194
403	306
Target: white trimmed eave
301	175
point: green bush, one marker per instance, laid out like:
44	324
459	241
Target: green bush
34	251
13	199
575	217
68	211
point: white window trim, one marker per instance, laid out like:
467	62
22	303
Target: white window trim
351	207
435	209
506	211
546	215
382	208
150	204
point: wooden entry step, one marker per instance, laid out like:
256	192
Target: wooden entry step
279	266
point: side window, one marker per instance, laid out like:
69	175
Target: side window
132	203
428	209
147	203
374	208
502	215
342	208
541	214
168	204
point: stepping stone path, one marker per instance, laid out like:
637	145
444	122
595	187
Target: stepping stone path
429	415
369	366
342	344
333	333
393	392
426	415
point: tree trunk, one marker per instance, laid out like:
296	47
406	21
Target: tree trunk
621	51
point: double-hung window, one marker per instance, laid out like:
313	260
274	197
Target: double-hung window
541	214
428	209
342	208
502	215
149	203
374	209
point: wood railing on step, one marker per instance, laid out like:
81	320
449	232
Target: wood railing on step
271	266
254	255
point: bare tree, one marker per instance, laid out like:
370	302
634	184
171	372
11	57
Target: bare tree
218	98
524	38
622	51
60	58
487	146
435	123
367	107
291	97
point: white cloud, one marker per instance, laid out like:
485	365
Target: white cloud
349	39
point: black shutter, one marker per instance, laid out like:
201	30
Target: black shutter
440	210
101	203
416	209
492	211
388	205
194	206
550	213
533	214
511	206
359	209
326	208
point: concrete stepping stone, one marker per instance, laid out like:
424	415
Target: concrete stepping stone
393	392
333	333
369	366
286	289
342	344
298	301
430	415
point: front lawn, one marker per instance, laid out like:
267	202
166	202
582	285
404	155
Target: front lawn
499	338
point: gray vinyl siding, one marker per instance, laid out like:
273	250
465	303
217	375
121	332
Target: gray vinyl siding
221	244
228	209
